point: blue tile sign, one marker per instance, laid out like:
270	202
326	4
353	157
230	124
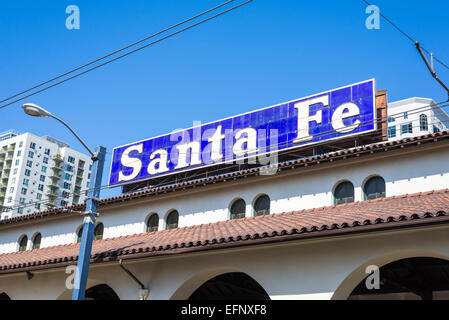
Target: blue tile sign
320	118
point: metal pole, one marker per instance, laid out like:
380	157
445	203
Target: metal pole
90	216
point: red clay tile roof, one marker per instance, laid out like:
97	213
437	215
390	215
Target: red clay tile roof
394	212
304	162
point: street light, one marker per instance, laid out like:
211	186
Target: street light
91	212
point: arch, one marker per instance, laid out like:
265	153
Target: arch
261	205
22	243
423	123
343	192
172	220
230	286
36	240
152	222
98	231
78	234
351	281
96	290
4	296
374	188
237	209
198	280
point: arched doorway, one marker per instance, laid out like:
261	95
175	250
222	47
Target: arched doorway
230	286
101	292
4	296
417	278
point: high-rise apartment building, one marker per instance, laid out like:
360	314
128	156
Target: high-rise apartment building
38	173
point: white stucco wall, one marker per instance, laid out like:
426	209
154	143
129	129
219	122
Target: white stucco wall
404	173
303	269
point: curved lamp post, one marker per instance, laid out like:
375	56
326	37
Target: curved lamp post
91	211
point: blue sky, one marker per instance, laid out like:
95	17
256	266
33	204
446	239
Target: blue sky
259	55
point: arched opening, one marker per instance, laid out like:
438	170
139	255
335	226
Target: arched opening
230	286
172	220
79	234
23	241
238	209
152	223
374	188
98	232
4	296
344	193
417	278
101	292
262	205
36	241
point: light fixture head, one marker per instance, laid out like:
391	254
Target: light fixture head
35	111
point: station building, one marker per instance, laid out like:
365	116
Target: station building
314	230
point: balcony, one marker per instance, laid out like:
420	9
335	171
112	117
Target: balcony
3	193
7	166
57	158
51	203
79	175
3	186
52	194
57	166
55	175
54	184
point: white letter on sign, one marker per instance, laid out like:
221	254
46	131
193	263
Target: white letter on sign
160	162
134	163
304	117
346	110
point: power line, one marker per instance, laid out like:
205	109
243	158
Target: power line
121	56
405	34
116	51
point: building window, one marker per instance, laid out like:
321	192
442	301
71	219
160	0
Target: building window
29	163
67	185
27	172
69	168
407	128
9	199
344	193
45	160
17	162
39	196
37	206
392	132
391	119
44	169
238	209
172	220
40	187
26	182
15	171
20	144
152	223
71	159
31	154
19	153
374	188
436	129
32	145
42	178
64	203
423	123
406	115
98	233
47	151
20	210
11	190
22	200
262	206
23	241
68	177
37	241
